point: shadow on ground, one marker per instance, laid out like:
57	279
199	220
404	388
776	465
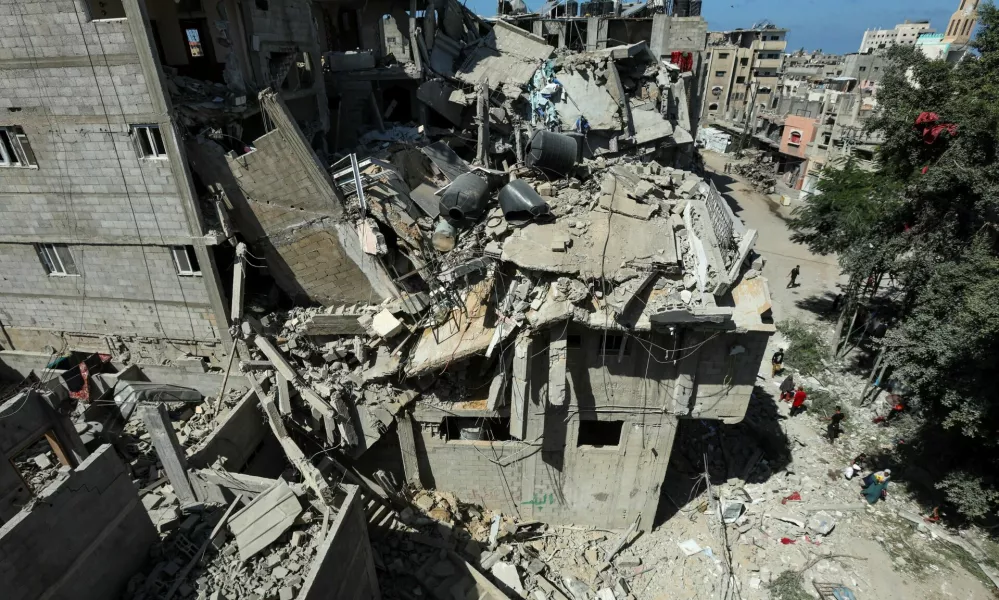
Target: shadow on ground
754	450
820	305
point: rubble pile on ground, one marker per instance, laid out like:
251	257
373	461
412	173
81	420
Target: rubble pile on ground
761	171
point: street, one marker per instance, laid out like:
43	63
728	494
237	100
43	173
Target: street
817	283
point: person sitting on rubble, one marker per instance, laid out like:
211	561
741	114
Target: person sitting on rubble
934	516
798	403
897	408
856	466
875	486
777	362
787	388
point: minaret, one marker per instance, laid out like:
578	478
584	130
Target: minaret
962	22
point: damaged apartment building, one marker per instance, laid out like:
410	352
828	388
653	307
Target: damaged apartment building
292	290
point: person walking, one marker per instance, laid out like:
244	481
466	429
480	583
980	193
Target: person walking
777	362
794	276
798	403
835	428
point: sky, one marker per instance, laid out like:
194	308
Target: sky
834	26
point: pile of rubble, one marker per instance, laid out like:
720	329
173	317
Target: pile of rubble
761	171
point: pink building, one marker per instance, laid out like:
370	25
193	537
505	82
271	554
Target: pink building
798	133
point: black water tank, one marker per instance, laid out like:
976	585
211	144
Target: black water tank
464	201
552	152
521	203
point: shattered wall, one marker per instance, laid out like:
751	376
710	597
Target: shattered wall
83	540
557	474
76	88
344	566
286	207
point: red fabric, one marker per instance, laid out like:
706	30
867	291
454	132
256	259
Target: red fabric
787	541
84	392
799	398
931	128
684	60
795	497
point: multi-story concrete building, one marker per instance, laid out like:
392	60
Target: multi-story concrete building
807	69
109	239
102	236
743	70
903	34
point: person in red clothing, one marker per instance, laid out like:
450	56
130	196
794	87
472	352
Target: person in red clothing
798	404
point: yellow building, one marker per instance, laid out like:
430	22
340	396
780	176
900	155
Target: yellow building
962	22
743	68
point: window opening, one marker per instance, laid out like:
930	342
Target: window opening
599	434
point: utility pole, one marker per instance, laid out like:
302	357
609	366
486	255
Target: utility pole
749	117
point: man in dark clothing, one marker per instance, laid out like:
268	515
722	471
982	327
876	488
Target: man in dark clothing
787	388
835	427
777	362
836	302
794	276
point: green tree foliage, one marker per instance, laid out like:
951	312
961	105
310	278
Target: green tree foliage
930	216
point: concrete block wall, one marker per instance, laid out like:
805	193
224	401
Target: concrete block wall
76	86
344	567
307	250
573	481
83	540
639	378
564	483
112	295
723	381
467	468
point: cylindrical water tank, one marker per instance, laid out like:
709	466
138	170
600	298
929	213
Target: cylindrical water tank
552	152
464	201
521	203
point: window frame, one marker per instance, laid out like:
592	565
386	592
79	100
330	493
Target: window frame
55	262
145	138
606	348
193	267
15	149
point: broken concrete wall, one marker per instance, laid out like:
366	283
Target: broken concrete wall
344	567
83	540
24	420
601	376
716	381
236	438
472	469
286	206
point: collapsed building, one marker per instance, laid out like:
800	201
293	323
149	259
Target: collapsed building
308	281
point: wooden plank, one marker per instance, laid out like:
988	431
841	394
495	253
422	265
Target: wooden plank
56	448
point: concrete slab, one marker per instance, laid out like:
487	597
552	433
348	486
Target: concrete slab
264	519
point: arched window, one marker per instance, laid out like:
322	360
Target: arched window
713	106
717	90
795	137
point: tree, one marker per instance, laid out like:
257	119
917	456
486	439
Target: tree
930	216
